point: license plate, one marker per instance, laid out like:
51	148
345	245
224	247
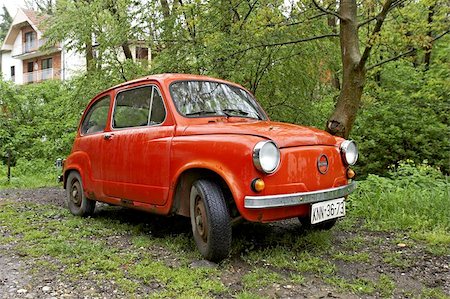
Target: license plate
327	210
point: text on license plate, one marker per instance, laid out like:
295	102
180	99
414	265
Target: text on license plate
326	210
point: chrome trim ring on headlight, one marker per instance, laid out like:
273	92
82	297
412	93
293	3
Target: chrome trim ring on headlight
349	152
266	156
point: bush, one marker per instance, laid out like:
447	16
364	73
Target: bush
411	198
404	118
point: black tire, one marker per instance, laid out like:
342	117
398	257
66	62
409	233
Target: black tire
77	202
326	225
210	220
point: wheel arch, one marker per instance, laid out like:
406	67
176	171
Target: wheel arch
67	173
78	161
181	193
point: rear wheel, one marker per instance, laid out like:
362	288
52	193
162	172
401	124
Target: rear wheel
77	202
325	225
211	223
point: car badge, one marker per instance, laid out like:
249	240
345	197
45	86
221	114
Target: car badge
322	164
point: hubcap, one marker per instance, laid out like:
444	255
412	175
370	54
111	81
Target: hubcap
75	193
200	219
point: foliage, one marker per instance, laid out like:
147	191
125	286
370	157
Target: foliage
405	116
105	25
38	121
5	22
411	198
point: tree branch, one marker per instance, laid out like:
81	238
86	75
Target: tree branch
328	12
380	20
367	21
297	23
285	43
410	51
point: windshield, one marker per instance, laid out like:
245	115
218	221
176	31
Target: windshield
208	98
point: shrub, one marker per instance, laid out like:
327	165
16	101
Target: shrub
411	198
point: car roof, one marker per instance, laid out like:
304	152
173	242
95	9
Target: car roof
167	79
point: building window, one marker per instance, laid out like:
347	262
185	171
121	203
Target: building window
13	73
47	69
30	41
141	53
47	63
30	66
29	76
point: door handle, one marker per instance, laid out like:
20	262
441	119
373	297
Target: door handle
108	136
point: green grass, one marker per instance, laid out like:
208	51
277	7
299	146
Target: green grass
385	286
157	253
259	278
80	247
28	174
363	257
396	259
416	204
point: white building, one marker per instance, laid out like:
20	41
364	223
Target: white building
22	60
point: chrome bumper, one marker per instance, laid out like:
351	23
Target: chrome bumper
294	199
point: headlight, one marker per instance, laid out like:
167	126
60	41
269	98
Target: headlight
266	156
349	152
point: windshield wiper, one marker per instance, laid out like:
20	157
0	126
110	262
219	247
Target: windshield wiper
204	112
238	111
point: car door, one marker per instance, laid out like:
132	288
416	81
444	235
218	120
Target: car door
91	138
136	150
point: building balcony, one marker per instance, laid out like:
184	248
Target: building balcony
32	46
42	75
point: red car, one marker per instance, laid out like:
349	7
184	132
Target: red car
203	148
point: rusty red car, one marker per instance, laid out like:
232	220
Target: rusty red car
204	148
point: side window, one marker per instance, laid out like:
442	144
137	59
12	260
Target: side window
132	108
158	110
95	120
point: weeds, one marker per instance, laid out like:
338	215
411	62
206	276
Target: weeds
413	199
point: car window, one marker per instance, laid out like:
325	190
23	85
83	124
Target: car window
158	113
132	108
96	117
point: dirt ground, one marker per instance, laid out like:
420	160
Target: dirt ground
20	279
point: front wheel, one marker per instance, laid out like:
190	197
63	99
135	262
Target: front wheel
211	225
77	202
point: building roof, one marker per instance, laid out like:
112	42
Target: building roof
23	17
35	18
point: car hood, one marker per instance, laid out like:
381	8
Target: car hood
285	135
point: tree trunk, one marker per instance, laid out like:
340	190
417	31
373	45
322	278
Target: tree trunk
89	57
126	50
8	174
428	47
332	22
165	9
354	75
